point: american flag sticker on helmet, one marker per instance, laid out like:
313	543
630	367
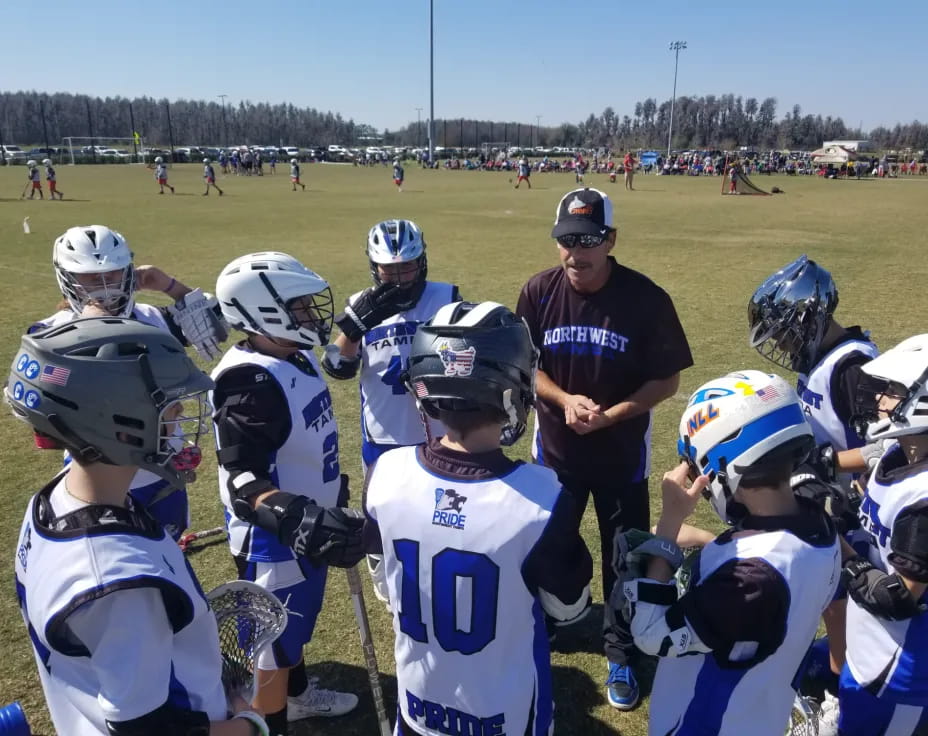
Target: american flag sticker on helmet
421	390
55	374
769	393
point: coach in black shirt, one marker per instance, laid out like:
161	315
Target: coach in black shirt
612	348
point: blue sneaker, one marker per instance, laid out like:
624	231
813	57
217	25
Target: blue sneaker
621	687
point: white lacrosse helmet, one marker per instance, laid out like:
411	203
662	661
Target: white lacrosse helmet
900	374
741	426
274	295
396	241
30	162
205	160
292	160
159	160
95	250
47	162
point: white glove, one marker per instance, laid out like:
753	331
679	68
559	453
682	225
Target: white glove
198	317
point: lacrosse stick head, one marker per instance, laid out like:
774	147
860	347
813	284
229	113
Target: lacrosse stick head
249	619
803	718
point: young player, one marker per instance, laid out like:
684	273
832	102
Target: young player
525	171
161	174
731	643
791	323
398	174
377	329
33	175
628	164
209	175
124	640
52	180
295	174
94	269
476	546
579	169
734	171
278	459
272	162
884	684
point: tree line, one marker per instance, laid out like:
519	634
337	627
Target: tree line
30	117
725	122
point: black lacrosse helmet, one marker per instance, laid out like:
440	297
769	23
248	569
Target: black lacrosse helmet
789	314
474	356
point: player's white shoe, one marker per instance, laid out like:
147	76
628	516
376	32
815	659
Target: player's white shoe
828	717
319	702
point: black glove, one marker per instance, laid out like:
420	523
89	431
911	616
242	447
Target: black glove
330	536
822	461
344	493
370	308
875	591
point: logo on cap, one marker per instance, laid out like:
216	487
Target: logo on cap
579	207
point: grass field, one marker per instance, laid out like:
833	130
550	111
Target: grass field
707	251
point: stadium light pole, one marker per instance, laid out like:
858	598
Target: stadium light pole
537	130
418	127
431	81
225	131
674	46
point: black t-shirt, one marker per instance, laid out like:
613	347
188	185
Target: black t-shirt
605	346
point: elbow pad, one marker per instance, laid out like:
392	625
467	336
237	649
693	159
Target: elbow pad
163	720
337	365
648	604
881	594
378	571
565	614
909	545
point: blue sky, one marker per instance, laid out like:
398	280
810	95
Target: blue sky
495	59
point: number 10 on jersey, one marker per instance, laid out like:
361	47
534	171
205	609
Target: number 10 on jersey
461	581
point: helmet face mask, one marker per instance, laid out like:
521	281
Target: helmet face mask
789	314
94	264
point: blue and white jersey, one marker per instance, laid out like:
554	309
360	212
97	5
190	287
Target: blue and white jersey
307	462
471	646
80	570
732	693
49	173
398	172
889	658
161	171
295	171
388	413
170	508
208	172
34	174
523	168
815	391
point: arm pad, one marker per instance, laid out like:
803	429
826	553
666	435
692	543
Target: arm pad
883	595
163	720
648	602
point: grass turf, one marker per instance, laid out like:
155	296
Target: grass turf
709	252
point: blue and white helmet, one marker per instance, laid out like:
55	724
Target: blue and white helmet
742	425
392	242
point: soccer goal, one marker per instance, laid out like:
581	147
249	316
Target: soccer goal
83	149
498	150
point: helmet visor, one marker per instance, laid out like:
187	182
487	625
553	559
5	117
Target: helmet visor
110	290
182	423
313	313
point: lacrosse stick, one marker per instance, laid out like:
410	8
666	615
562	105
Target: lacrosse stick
367	646
803	719
187	539
249	619
23	195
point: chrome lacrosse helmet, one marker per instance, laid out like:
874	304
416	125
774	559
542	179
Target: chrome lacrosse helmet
790	312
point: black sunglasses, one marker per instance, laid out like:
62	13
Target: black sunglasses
584	241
